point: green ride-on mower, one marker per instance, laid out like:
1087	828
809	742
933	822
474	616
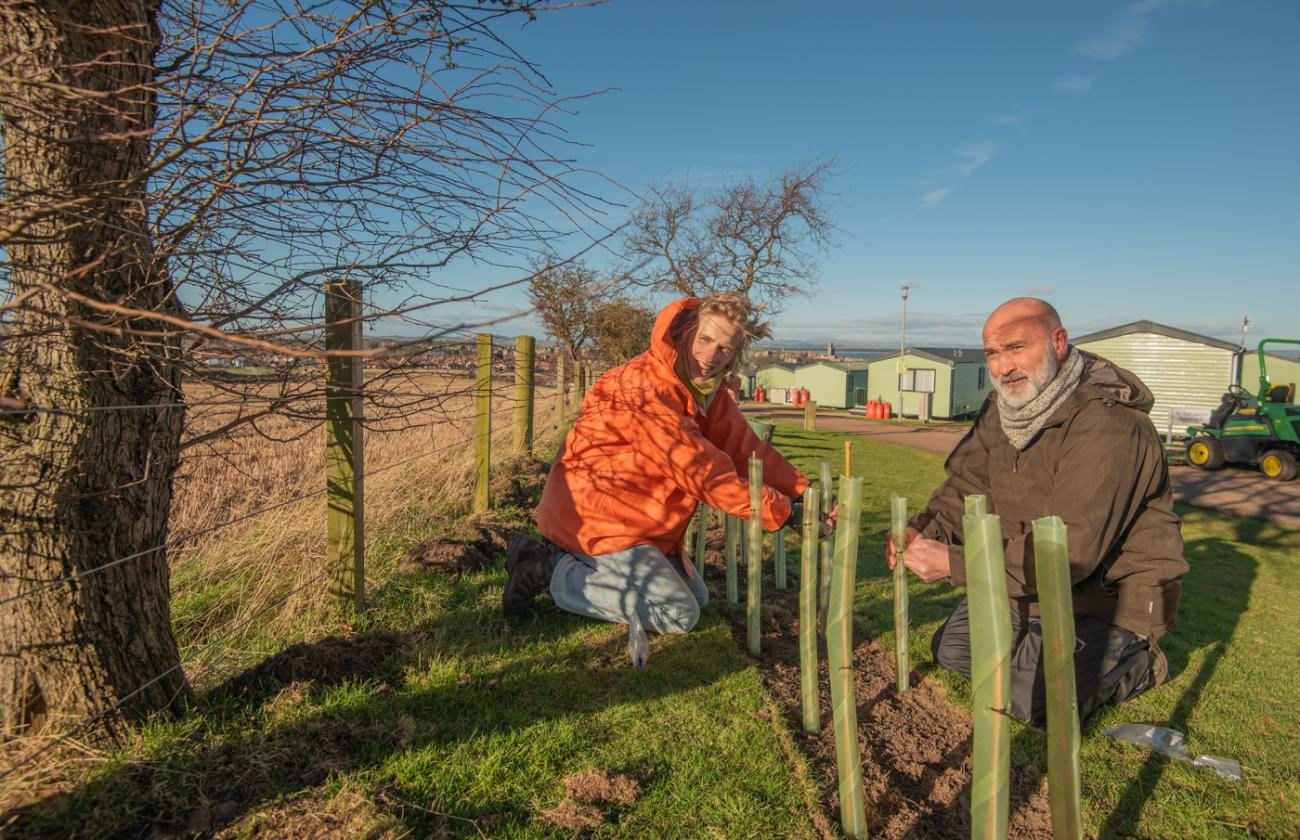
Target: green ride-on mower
1263	430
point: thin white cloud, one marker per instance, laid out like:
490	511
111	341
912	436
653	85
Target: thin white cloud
1120	37
883	332
1011	119
1128	29
975	155
931	200
1074	83
1038	291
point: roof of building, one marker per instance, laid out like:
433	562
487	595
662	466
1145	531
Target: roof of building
844	366
1158	329
782	365
947	355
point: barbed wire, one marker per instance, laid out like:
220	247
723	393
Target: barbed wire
214	643
186	538
503	389
228	632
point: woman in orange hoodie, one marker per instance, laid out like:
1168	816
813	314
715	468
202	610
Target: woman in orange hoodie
655	437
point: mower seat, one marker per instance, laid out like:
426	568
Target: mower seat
1281	393
1223	412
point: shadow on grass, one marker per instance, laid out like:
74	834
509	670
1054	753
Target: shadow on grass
289	724
1216	592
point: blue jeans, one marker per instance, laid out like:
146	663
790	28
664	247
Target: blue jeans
641	579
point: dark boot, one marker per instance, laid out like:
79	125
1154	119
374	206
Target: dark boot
529	565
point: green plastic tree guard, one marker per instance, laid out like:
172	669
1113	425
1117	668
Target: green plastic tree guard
898	512
839	656
990	640
754	556
812	720
1056	602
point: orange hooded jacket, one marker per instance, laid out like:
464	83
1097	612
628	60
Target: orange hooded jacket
641	455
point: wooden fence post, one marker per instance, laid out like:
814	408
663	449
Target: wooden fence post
810	416
559	384
483	424
345	552
525	347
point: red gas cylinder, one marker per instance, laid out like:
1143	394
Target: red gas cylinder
871	409
805	398
886	411
795	395
758	394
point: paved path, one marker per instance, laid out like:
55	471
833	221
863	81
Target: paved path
1236	491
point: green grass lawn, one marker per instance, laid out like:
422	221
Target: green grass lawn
470	726
1235	690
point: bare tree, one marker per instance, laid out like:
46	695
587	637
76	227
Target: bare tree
179	178
621	329
759	238
566	296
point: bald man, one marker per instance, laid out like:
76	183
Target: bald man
1064	433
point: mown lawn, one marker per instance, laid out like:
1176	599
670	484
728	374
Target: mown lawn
1232	654
471	724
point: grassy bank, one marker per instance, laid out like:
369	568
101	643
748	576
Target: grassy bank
1231	655
441	719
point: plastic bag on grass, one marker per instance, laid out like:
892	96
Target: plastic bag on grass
1169	742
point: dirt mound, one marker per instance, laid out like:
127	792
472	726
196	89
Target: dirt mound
596	786
915	747
572	816
327	662
519	482
444	557
593	798
469	546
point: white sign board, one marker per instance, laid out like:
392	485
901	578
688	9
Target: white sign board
1189	416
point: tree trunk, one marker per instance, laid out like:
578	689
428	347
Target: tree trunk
92	483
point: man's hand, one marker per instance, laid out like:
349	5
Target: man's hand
829	520
928	559
909	535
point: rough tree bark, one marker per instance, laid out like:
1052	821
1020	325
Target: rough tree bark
90	484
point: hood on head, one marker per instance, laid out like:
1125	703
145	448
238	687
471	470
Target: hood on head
1110	381
667	330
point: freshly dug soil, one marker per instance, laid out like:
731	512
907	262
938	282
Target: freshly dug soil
593	798
915	747
470	547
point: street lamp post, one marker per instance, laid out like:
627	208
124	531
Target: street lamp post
902	352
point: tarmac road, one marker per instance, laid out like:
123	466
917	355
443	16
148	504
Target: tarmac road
1235	491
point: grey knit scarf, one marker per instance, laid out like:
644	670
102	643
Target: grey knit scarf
1021	424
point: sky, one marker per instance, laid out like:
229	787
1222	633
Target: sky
1124	160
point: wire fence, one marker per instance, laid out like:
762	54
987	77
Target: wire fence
502	397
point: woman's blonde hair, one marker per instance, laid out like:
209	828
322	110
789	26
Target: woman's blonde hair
737	309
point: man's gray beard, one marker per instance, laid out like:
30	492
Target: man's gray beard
1039	378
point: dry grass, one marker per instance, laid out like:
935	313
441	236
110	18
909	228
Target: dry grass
248	526
227	583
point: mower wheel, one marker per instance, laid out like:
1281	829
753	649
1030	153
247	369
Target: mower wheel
1205	453
1278	464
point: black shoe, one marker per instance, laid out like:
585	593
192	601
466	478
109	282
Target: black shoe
529	565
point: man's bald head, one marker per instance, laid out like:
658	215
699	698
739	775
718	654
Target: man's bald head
1025	345
1024	309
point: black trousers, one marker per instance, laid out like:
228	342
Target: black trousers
1111	664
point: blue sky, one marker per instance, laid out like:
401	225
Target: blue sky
1125	160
